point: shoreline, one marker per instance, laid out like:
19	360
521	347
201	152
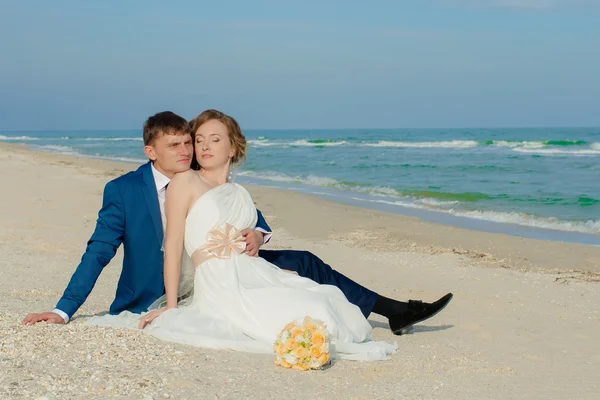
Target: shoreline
377	229
438	217
491	221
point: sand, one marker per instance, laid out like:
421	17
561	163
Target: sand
522	324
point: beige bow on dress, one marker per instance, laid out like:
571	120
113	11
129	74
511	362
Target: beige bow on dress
220	243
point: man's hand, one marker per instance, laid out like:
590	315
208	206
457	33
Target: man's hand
254	239
49	317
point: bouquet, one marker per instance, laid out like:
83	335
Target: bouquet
302	344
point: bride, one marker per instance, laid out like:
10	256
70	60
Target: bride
239	302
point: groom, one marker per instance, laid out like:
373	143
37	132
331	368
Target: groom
132	214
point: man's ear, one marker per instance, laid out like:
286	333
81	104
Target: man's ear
149	151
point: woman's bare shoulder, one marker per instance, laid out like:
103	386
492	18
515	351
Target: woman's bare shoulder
186	176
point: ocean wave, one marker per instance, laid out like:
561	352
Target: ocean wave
318	143
277	177
122	159
445	202
55	148
531	220
34	138
424	197
18	138
265	143
117	139
421	196
517	144
587	152
571	147
533	144
523	219
451	144
568	147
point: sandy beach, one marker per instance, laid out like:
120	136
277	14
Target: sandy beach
522	324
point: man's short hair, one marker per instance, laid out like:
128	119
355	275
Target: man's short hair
164	123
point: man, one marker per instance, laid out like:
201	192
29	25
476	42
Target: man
132	214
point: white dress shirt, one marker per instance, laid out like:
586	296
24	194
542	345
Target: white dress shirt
161	183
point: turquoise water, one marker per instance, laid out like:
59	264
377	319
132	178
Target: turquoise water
543	178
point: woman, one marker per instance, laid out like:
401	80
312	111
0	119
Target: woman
240	302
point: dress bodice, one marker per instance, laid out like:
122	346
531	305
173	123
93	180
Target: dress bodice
229	203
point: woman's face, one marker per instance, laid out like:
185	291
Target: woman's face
212	145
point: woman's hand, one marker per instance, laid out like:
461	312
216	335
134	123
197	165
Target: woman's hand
151	316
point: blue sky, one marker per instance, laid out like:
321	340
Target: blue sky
305	64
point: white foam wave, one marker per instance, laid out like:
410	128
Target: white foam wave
590	226
18	138
453	144
262	143
558	151
504	143
315	144
530	220
119	139
99	139
55	148
311	180
436	203
123	159
423	203
527	145
276	177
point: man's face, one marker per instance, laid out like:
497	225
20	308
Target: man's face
171	153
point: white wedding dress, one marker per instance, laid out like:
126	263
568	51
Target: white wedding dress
242	303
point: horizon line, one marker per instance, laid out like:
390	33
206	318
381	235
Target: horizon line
325	129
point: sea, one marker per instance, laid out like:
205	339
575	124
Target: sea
533	182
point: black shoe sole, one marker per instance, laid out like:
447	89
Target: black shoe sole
408	328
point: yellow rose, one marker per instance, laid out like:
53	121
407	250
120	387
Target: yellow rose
300	367
315	352
317	339
297	332
300	352
280	349
323	358
288	326
290	344
311	327
285	364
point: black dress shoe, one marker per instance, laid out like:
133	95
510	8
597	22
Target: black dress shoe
417	312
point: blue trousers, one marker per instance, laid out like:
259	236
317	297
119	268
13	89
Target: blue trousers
312	267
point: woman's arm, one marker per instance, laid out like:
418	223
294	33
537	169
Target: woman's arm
177	201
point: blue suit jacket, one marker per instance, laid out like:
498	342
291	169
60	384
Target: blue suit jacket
130	215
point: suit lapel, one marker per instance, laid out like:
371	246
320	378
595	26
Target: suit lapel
152	200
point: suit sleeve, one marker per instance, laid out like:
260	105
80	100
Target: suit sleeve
101	248
262	226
